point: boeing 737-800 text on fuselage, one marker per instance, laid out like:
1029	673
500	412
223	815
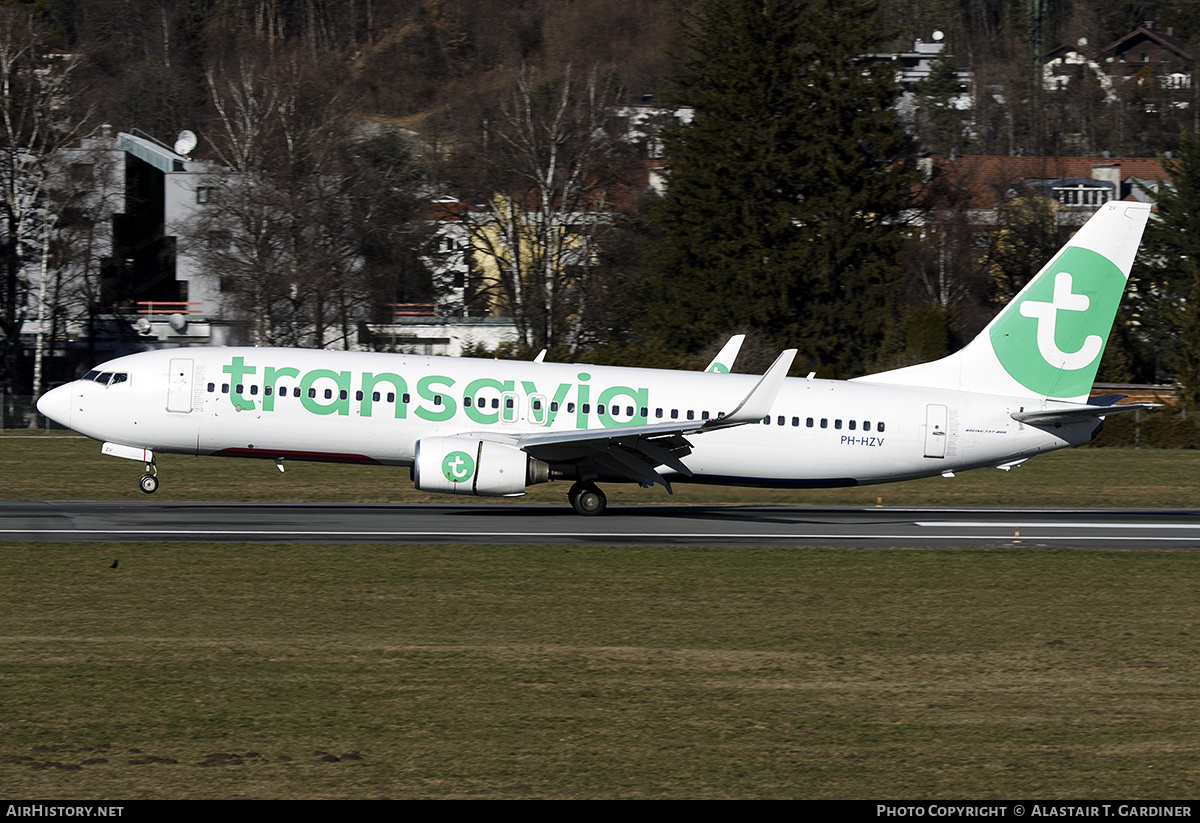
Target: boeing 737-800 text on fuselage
493	427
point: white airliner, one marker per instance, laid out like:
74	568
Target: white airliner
493	428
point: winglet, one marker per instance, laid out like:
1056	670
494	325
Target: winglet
758	402
723	362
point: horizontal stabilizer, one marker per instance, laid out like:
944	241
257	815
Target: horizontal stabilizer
1075	414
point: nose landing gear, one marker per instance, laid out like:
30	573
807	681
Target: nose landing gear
149	481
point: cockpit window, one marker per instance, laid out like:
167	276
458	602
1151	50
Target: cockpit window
107	378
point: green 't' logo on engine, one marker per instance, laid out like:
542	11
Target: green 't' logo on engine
1050	341
458	467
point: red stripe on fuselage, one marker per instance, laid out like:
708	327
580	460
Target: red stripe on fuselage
312	457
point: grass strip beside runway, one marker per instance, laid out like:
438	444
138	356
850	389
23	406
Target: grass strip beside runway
74	469
309	671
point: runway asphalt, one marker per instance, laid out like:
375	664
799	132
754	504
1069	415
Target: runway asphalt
624	525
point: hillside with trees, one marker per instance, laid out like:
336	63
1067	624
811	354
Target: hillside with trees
792	193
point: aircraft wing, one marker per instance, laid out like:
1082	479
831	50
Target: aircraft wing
636	451
1075	414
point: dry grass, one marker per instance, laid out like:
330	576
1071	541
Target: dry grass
74	469
558	671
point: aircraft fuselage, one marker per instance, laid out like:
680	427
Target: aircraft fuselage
364	407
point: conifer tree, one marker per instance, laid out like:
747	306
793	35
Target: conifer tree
785	189
1168	287
939	120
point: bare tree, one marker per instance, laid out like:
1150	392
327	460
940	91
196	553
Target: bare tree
297	220
552	168
86	188
36	102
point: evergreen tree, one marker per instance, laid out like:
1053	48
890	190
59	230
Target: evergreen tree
939	120
1168	284
782	206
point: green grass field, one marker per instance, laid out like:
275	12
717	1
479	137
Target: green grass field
58	468
248	671
313	671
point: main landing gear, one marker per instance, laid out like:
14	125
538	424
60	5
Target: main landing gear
149	481
586	499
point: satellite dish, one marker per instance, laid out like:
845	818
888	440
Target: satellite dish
177	322
937	38
186	142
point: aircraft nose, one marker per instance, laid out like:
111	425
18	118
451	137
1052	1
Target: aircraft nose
56	404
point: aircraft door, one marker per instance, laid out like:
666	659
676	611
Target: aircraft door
537	409
179	385
935	431
510	407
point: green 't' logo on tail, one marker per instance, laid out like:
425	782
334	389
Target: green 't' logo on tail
1051	338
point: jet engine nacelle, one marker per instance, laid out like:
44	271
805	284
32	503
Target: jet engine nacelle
468	465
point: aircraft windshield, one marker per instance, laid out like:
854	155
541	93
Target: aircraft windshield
106	378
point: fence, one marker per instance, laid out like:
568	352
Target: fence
20	412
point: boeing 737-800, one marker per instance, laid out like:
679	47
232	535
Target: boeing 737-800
493	428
